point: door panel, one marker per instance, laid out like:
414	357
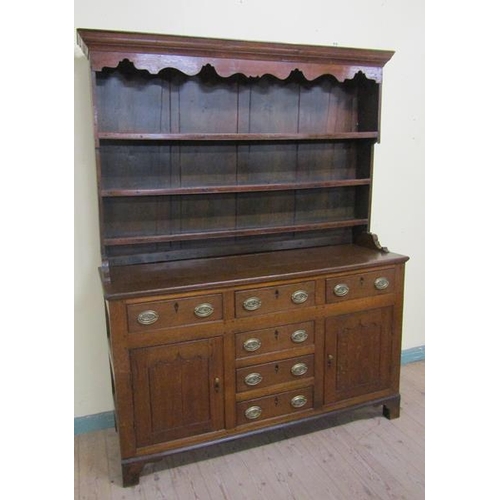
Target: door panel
357	354
176	394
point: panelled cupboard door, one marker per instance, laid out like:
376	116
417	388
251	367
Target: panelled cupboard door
357	354
177	390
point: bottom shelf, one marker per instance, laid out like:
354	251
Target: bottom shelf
243	217
255	231
123	255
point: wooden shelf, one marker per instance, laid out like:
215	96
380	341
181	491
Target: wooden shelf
244	188
131	136
257	231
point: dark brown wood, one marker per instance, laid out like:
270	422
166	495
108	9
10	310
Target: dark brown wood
131	473
357	354
227	233
240	137
274	299
274	406
178	390
360	285
275	372
234	184
234	189
120	360
173	313
154	52
163	137
275	339
183	276
370	240
391	409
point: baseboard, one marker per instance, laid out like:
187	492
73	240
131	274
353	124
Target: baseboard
96	422
106	419
413	354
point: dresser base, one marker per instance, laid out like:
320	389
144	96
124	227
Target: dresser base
132	468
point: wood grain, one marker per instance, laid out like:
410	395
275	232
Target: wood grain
358	456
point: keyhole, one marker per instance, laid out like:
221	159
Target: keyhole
276	293
276	368
276	401
176	307
361	280
276	334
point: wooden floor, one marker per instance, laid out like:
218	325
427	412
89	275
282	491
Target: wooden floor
354	456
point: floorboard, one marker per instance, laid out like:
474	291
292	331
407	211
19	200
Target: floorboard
358	455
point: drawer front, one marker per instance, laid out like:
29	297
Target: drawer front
175	312
272	299
267	374
356	286
276	405
274	339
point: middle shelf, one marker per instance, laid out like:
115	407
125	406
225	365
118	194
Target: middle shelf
135	168
240	188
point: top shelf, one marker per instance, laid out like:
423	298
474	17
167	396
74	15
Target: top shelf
126	136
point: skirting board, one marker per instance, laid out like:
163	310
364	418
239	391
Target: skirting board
106	419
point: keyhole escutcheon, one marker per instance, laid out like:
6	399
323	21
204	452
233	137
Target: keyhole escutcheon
330	360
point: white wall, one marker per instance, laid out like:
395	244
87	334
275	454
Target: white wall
398	198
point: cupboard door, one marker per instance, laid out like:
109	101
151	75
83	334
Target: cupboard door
357	354
177	390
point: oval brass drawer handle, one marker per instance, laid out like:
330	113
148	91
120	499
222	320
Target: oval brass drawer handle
252	303
253	379
299	336
299	297
253	412
341	290
148	317
204	310
299	369
381	283
298	401
251	345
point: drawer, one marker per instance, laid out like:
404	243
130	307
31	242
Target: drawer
356	286
274	339
174	312
277	405
271	299
277	372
